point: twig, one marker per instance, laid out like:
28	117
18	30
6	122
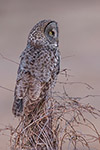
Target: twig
3	57
6	89
67	56
34	122
70	83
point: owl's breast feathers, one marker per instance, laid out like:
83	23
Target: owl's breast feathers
43	63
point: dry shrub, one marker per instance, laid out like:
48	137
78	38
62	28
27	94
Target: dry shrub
62	120
57	122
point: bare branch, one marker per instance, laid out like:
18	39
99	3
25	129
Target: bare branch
6	89
67	56
71	83
6	58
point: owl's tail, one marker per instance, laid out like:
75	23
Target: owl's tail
17	108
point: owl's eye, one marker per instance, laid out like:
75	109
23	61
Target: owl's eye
51	33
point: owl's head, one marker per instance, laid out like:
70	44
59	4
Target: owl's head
44	33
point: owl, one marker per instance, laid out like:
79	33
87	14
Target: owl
38	68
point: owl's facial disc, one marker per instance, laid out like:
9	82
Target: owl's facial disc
51	33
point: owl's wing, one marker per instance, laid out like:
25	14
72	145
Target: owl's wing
27	88
33	74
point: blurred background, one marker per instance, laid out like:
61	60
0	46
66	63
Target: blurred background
79	27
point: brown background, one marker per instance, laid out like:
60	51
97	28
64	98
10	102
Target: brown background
79	25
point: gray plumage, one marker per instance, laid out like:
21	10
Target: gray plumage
39	67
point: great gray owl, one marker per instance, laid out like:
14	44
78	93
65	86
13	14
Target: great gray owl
39	67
